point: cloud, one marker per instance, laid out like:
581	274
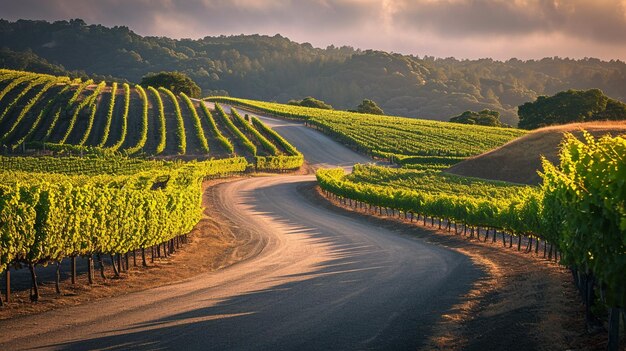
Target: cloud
461	28
201	17
598	20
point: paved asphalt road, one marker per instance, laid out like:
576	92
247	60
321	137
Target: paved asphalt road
319	280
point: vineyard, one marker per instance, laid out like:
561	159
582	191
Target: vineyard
41	113
102	171
405	140
56	208
579	213
577	217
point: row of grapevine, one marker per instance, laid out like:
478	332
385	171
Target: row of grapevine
293	160
510	214
33	83
143	135
67	107
249	128
180	123
27	108
583	211
278	162
109	116
235	131
81	86
89	166
40	115
277	138
88	101
47	217
162	128
124	131
197	125
93	107
226	144
16	82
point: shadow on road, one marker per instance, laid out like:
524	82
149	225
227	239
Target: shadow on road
362	295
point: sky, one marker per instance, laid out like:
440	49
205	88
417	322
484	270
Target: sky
499	29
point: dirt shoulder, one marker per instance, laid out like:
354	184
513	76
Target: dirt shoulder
212	245
524	303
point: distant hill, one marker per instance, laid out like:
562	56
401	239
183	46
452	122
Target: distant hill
277	69
519	160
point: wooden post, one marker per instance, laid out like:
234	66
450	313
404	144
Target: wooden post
7	291
101	263
57	278
35	295
73	269
119	263
90	269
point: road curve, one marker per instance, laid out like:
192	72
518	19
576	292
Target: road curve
320	280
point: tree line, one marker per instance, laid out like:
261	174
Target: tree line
274	68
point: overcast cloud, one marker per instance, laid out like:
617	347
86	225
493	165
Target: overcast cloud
462	28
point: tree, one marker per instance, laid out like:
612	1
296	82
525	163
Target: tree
483	118
177	82
568	107
369	106
311	102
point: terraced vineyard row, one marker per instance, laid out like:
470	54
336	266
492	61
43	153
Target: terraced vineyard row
391	137
58	115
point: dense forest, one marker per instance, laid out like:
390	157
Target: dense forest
275	68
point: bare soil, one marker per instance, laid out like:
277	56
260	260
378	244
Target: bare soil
519	160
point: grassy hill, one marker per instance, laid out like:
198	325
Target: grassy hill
404	140
519	160
39	111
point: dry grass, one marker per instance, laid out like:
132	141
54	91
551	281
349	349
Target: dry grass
519	160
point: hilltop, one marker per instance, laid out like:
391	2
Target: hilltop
519	160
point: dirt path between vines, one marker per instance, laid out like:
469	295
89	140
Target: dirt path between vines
212	245
524	303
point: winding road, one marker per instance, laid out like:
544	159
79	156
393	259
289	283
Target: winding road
317	280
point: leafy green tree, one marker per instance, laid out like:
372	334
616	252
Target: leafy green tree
176	82
483	118
568	107
369	106
311	102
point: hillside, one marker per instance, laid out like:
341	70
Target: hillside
519	160
55	113
402	140
278	69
